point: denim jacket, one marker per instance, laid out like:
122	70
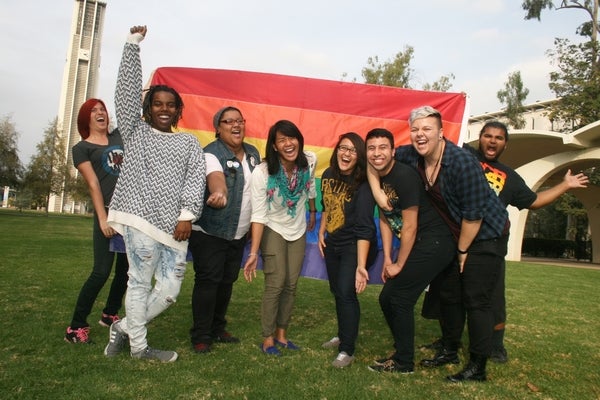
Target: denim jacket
223	222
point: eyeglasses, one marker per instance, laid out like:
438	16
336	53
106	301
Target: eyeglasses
346	149
231	121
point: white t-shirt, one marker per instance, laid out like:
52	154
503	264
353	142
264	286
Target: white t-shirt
274	215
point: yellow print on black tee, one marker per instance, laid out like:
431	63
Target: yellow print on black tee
495	177
335	196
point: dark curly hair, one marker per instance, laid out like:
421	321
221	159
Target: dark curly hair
149	98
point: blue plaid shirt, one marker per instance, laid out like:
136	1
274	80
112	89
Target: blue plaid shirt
465	189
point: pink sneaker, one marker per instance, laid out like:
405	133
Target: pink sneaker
80	335
107	320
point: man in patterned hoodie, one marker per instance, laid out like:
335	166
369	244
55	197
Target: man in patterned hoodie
158	196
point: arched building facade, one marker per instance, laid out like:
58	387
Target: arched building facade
542	156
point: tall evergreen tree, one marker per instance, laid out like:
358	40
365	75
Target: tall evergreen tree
48	174
11	168
512	96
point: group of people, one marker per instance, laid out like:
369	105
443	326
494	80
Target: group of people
172	195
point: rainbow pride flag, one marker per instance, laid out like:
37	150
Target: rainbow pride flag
322	109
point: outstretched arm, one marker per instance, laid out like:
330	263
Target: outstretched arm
128	94
569	182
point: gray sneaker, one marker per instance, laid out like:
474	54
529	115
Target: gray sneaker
342	360
332	343
117	338
155	354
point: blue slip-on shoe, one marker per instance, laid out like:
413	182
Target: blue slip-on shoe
289	345
270	351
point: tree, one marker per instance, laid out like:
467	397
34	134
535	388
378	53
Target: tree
590	28
575	82
48	172
78	191
396	72
11	168
513	96
443	84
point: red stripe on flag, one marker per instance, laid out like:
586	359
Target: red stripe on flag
322	109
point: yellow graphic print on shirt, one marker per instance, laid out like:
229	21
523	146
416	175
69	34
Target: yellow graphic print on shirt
495	177
394	217
335	195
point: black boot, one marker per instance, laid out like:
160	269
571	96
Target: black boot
499	354
474	370
442	357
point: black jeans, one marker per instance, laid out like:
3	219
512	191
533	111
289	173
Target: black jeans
499	299
341	265
103	262
399	295
217	264
472	292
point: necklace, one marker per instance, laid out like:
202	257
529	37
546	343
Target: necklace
431	178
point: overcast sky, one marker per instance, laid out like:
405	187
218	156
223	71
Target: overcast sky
480	42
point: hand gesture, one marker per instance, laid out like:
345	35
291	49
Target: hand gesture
141	29
576	181
183	230
362	277
106	229
250	267
312	219
322	244
217	200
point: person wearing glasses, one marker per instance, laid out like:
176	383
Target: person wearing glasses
347	237
281	187
426	247
159	193
219	236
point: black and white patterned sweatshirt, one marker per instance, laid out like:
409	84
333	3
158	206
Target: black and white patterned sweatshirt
163	175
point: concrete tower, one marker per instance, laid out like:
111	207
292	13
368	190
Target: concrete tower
80	78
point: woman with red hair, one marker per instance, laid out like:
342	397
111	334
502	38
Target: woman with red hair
98	157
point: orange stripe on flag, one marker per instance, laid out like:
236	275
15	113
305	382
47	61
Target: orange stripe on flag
322	109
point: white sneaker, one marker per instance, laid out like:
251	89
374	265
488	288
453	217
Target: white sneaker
332	343
342	360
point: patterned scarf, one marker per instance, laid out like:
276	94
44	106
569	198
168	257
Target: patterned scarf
290	190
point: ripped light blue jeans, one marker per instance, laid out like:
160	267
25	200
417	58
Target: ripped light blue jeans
149	258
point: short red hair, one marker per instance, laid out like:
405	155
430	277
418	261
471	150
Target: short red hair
83	118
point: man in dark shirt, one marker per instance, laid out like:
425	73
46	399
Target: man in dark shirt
512	190
426	247
453	180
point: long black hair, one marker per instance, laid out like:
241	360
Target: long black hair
289	129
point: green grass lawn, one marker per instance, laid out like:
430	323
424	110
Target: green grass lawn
553	336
